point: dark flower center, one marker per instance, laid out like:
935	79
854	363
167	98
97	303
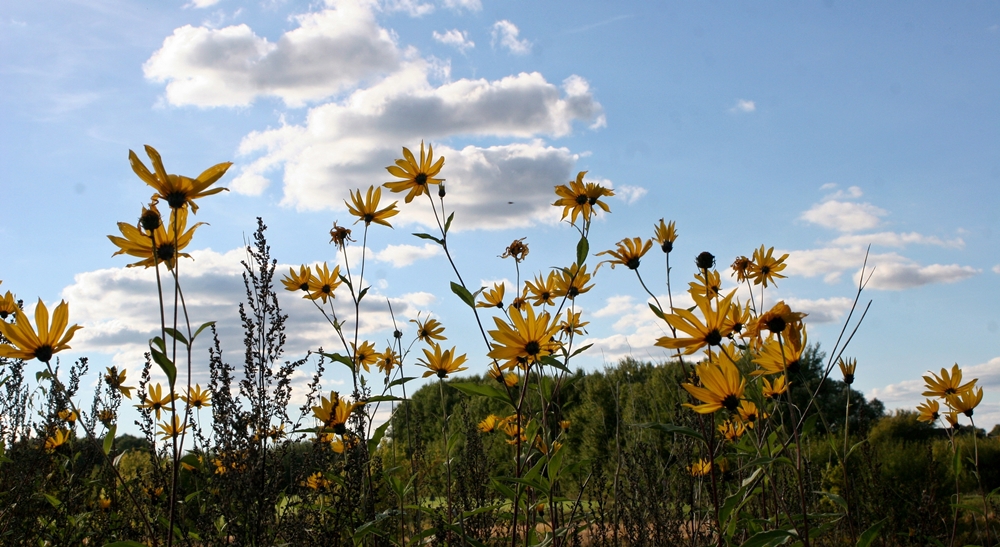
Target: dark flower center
339	429
150	220
165	251
573	291
950	391
532	348
304	287
326	289
442	373
764	270
441	192
731	402
368	218
633	263
397	334
420	179
713	338
776	324
705	260
794	366
4	314
582	199
667	246
848	379
176	199
592	201
43	353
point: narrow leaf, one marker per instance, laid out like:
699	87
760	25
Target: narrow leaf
582	250
362	294
656	311
447	223
346	361
201	328
430	237
870	534
377	436
464	294
770	537
109	438
166	365
176	335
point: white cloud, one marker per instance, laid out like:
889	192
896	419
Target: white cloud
743	105
895	239
118	309
996	269
404	255
630	194
331	50
844	216
822	310
896	276
202	3
852	192
457	5
413	8
456	38
346	145
506	34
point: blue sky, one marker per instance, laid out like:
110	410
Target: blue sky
816	128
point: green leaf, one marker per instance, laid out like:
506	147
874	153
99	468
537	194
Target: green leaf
159	343
657	311
464	294
383	398
430	237
377	436
362	294
553	362
54	501
674	429
109	438
479	390
346	361
176	335
447	223
201	328
771	537
166	365
401	381
581	350
870	534
582	250
834	498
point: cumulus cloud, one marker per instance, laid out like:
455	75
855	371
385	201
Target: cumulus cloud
456	38
996	269
344	145
413	8
844	216
895	239
892	271
630	194
330	51
905	274
505	34
202	3
404	255
118	309
458	5
743	105
822	310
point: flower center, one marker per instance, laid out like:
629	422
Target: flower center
731	402
304	287
582	199
150	220
776	324
165	251
705	260
176	199
44	353
326	289
420	179
633	263
713	338
794	366
532	348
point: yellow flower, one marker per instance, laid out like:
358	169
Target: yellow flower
513	430
492	298
709	333
115	380
387	360
700	468
732	430
764	267
966	401
317	481
323	283
429	330
162	245
847	369
572	281
749	413
416	175
367	209
103	502
442	364
712	288
333	412
525	341
509	379
776	357
665	235
7	305
516	250
106	416
67	415
297	281
579	198
929	411
490	424
58	438
773	391
738	319
520	301
156	401
197	397
628	253
947	384
365	355
721	385
952	418
572	324
777	319
564	424
177	190
25	343
544	448
742	268
542	290
173	428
